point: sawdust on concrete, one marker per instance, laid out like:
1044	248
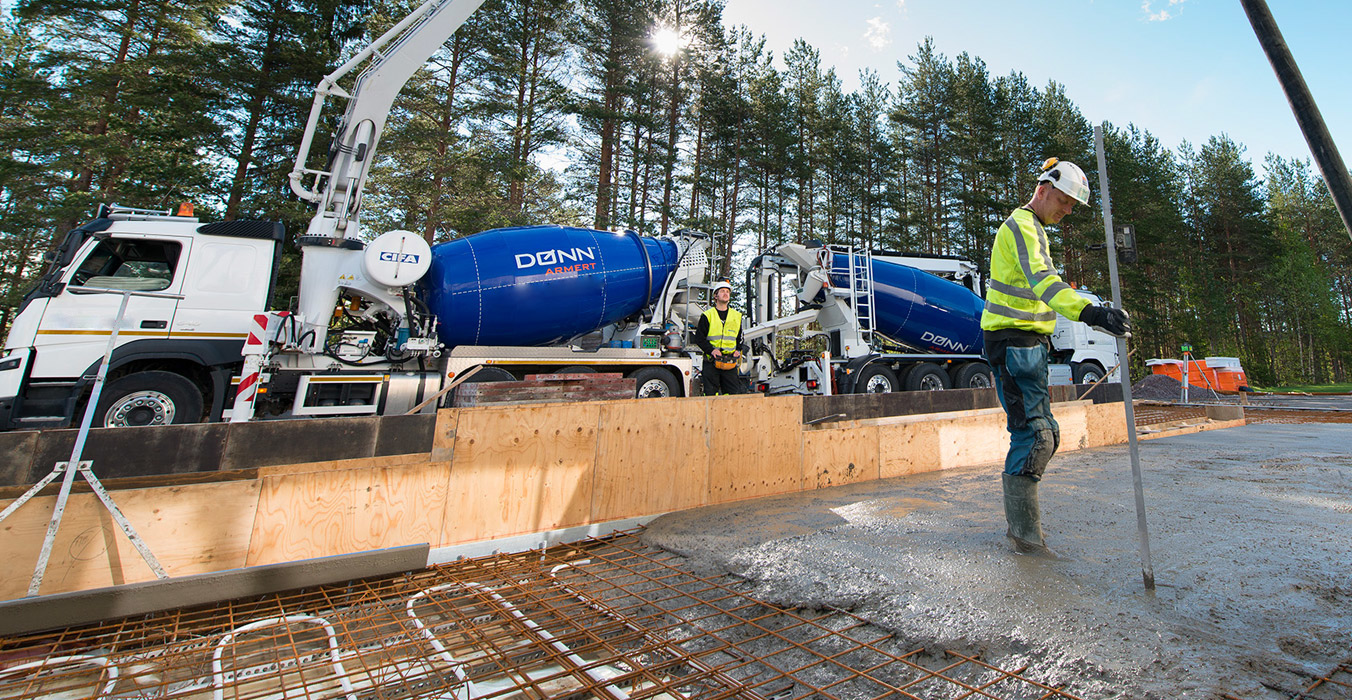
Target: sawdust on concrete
1249	530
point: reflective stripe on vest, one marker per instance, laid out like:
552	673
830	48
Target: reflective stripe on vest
723	334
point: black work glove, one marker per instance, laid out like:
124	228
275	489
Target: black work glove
1107	319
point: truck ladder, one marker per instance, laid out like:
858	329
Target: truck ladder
857	268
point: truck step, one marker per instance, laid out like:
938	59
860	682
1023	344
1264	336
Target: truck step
41	421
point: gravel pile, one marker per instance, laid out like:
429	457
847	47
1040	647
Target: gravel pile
1159	387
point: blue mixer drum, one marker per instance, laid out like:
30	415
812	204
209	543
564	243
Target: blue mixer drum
926	312
539	285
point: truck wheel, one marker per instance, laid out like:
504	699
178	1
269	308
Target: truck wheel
876	378
973	375
149	398
1087	372
927	376
654	383
491	374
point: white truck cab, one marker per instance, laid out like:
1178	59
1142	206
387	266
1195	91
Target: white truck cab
1087	352
173	355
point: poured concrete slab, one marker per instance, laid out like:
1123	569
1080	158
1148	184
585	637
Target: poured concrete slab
1250	532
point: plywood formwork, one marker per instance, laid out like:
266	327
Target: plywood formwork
834	457
652	457
497	472
341	511
750	453
191	529
520	469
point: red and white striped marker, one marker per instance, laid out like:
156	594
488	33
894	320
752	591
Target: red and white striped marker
255	347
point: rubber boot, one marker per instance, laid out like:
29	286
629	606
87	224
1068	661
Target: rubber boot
1023	516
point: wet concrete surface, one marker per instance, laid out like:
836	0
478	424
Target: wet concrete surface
1316	402
1249	529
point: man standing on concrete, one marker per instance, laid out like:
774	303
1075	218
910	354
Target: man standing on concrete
1022	301
719	335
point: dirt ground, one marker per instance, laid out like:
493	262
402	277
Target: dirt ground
1249	533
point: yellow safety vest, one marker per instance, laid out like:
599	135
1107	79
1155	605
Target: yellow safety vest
1025	292
723	334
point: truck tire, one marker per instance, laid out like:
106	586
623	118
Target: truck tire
149	398
927	376
491	374
876	378
1087	372
973	375
654	383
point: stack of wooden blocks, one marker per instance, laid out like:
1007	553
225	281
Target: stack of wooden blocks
547	388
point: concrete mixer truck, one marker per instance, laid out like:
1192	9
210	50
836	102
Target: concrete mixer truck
889	322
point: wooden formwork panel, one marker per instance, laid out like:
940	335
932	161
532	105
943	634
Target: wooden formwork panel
316	514
754	446
973	439
443	435
190	529
1106	424
520	469
842	456
1073	418
652	457
908	448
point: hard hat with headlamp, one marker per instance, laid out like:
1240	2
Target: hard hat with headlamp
1066	177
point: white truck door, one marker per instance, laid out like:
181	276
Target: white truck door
74	330
225	285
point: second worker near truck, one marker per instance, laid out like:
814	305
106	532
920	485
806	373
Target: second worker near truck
1022	301
719	335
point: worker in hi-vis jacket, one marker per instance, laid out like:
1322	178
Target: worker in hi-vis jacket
1022	300
719	335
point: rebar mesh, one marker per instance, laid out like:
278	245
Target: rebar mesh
606	618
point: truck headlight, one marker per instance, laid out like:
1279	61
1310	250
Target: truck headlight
10	364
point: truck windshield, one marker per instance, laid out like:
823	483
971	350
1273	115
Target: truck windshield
138	265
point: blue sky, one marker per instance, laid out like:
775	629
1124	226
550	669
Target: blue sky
1183	69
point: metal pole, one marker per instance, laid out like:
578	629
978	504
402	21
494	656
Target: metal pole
74	464
1311	122
1147	569
75	453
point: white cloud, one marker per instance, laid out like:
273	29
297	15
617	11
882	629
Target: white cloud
1163	15
879	33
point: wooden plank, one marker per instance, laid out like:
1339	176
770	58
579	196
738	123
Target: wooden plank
584	376
191	529
1107	424
316	514
521	469
836	457
443	437
754	446
521	392
344	464
1073	419
908	448
973	439
1188	430
652	457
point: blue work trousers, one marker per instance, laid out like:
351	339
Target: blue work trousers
1021	378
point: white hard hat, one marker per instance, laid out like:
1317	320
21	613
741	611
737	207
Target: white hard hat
722	285
1066	177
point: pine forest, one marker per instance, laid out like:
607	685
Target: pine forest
565	111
